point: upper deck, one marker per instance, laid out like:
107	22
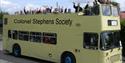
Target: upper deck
62	21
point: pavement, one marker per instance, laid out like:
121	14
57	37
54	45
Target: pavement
4	61
0	37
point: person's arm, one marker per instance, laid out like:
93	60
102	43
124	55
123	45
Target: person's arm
86	6
74	5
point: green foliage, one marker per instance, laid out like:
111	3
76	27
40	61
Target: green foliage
1	15
123	22
122	32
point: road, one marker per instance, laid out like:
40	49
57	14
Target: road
23	59
8	58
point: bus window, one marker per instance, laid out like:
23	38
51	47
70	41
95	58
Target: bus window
109	40
106	10
50	38
14	34
115	11
91	40
5	21
23	35
36	37
9	34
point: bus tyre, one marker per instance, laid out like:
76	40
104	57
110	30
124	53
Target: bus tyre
68	58
16	51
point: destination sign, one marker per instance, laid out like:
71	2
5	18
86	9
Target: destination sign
56	21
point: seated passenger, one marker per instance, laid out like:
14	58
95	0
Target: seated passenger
77	8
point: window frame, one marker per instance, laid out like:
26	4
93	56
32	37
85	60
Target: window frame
22	34
49	38
91	36
106	6
5	21
9	34
13	32
34	35
112	10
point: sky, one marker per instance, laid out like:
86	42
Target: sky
12	6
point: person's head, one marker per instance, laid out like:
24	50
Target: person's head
78	4
94	3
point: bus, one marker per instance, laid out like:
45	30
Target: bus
66	37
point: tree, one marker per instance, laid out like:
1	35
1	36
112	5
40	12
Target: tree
122	35
2	13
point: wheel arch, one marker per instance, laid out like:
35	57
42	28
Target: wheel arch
15	44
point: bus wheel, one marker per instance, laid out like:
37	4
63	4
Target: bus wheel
68	58
16	51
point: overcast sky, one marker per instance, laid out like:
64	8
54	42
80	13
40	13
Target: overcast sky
15	5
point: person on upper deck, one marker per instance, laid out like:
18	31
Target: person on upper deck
91	9
77	8
87	10
104	1
95	8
